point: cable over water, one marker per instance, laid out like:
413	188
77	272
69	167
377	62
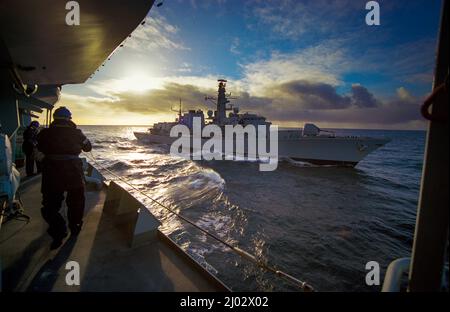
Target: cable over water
242	253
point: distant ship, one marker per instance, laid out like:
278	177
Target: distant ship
310	144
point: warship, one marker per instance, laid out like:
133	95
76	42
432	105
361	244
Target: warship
309	145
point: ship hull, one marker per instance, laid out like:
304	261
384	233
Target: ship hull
336	151
146	137
323	151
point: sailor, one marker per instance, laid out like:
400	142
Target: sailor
28	147
62	171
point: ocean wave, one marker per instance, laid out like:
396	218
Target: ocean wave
297	163
213	177
108	141
120	166
126	148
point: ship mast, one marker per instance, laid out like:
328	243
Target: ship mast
221	101
220	114
178	111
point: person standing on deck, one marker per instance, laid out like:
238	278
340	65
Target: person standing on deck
28	147
62	171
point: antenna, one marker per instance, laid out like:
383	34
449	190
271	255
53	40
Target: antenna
177	110
231	97
210	98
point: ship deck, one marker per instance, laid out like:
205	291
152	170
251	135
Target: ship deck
107	262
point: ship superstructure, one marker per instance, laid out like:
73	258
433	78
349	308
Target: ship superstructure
217	117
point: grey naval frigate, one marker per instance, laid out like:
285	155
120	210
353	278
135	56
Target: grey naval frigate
310	144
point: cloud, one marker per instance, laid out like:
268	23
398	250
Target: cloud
290	103
185	68
161	100
304	94
321	104
404	95
361	97
393	113
148	101
288	88
302	20
410	62
293	19
324	62
335	31
234	48
331	61
157	33
206	4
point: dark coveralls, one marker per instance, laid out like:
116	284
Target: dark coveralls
28	145
62	171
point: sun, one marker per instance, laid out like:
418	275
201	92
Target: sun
138	82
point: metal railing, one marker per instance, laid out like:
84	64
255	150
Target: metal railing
395	271
12	139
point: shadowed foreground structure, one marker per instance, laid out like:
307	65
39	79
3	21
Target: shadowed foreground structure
107	262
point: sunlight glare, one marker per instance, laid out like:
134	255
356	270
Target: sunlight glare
138	82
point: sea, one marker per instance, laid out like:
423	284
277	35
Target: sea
319	224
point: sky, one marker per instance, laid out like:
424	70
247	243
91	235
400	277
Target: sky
292	61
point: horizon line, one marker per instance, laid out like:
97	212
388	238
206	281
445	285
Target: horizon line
370	129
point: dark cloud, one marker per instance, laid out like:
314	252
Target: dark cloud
313	95
318	102
307	95
398	112
247	102
361	97
395	112
295	101
161	100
